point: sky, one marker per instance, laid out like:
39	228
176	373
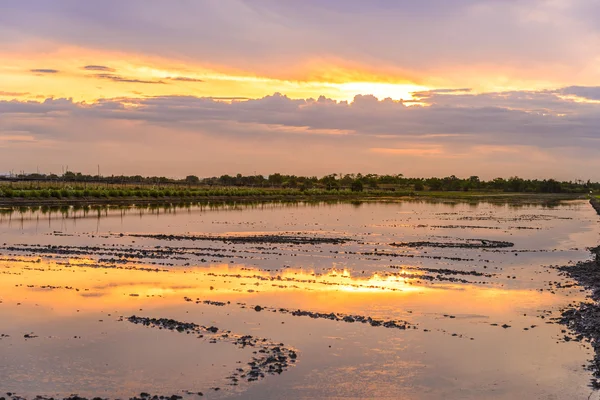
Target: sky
210	87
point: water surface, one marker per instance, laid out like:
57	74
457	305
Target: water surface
67	278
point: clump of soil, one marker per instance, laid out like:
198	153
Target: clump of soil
586	273
465	244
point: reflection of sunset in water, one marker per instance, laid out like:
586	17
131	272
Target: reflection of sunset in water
81	284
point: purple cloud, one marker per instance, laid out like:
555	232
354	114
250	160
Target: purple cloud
44	71
98	68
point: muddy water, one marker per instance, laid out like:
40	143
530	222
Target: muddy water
410	300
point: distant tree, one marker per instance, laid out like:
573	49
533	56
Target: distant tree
70	176
292	182
275	179
434	183
226	180
347	180
515	184
306	185
498	183
192	180
451	183
329	182
357	186
474	182
550	186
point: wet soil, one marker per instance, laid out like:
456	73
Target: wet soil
583	319
463	244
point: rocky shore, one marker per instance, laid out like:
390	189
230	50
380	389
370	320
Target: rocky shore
583	319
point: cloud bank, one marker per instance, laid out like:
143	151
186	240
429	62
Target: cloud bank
526	133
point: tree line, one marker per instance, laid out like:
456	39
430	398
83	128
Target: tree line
354	182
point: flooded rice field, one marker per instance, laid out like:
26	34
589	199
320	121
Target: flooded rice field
400	300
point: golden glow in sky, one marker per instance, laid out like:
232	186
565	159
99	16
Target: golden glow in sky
63	74
77	74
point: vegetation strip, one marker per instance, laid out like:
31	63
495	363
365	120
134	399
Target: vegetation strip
354	182
75	188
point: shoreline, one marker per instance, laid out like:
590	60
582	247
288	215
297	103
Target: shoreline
441	196
596	204
583	319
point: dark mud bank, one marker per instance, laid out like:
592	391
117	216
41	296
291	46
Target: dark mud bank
596	204
583	319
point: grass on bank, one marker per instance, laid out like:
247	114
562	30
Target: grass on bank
10	194
160	193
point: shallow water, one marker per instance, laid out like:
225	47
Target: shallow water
67	278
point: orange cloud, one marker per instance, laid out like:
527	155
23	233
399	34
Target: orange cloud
433	151
88	75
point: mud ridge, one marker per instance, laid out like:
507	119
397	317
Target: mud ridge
270	359
466	244
331	316
285	239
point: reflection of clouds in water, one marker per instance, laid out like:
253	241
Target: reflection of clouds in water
92	294
122	284
344	291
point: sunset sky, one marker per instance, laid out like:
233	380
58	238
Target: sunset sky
312	87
